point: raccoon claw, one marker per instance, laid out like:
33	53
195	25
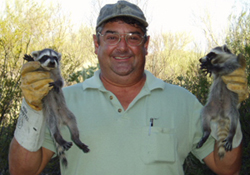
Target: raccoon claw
28	58
228	148
51	84
203	139
206	72
67	145
206	67
85	148
82	146
199	144
55	88
228	145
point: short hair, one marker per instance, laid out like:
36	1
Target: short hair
128	20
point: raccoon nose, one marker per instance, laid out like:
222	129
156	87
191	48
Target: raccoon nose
52	63
203	60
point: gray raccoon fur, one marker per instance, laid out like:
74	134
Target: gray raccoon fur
222	104
54	106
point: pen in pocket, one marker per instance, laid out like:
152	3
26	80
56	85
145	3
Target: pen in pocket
151	124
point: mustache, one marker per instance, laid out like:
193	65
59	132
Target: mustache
125	53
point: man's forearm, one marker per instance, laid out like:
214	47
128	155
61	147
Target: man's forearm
231	163
22	161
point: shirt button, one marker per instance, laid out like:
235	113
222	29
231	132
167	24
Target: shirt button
120	110
111	97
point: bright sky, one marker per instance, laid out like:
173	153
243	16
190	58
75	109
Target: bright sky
162	15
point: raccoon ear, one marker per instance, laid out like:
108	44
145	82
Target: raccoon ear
59	56
35	54
225	48
241	59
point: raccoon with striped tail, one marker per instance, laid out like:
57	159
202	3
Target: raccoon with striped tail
222	104
54	106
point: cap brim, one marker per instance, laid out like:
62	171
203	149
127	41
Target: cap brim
110	17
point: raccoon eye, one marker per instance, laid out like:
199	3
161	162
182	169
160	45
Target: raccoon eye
44	58
55	58
211	55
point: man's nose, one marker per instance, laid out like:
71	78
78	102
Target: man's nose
123	43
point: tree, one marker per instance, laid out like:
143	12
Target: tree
25	26
239	41
169	55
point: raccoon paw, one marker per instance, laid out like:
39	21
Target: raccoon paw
200	144
84	148
203	139
228	145
55	87
80	145
67	145
28	58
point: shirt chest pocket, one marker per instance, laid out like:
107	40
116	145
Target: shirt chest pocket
157	145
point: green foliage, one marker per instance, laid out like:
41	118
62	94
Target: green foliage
195	81
82	75
169	55
238	38
239	42
192	166
10	51
25	26
78	51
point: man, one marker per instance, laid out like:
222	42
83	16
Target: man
133	123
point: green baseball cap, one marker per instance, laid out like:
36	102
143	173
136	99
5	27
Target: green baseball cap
121	8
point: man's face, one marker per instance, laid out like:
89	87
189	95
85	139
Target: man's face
121	60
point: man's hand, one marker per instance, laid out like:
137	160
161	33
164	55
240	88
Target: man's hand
34	84
237	82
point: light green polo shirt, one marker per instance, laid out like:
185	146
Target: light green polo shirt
123	142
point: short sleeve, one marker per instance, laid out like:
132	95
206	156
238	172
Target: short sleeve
48	141
196	134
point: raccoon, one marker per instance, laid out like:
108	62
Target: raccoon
54	106
222	104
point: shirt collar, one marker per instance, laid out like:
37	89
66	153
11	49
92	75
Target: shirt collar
152	82
95	82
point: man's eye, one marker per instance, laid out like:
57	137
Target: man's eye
112	37
134	37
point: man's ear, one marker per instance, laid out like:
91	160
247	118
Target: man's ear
96	45
146	45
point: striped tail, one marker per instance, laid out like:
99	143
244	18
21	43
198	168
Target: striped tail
222	132
61	155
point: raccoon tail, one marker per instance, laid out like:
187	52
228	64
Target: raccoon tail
61	155
222	132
